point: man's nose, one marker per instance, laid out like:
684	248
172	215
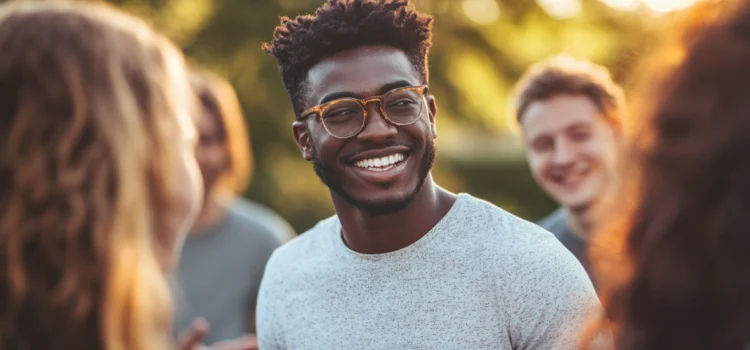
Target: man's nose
377	129
564	152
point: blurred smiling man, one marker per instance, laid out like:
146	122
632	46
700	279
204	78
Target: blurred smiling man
569	111
404	264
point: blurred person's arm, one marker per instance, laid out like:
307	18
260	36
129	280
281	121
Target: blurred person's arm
192	339
272	221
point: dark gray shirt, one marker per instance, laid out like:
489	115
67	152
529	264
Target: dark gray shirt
220	270
557	223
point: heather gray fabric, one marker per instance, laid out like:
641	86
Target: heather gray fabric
480	279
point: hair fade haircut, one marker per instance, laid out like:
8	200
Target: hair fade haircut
339	25
563	74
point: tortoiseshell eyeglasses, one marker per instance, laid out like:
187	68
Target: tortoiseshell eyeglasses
346	117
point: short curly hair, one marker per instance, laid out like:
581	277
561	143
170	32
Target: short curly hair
339	25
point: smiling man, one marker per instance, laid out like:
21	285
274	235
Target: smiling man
570	112
404	264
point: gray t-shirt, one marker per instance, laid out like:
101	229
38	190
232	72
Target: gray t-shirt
220	270
480	279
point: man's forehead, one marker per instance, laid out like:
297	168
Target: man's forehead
560	111
362	70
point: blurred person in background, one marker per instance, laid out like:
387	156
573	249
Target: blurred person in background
673	256
98	178
232	238
404	263
570	113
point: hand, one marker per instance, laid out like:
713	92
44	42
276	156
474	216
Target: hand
192	339
248	342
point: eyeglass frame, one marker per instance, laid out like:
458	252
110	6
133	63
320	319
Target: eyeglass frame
319	109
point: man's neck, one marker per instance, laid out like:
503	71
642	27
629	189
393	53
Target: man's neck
579	221
369	234
212	213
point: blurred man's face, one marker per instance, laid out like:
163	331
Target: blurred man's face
570	147
211	153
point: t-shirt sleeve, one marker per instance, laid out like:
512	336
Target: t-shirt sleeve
550	298
270	310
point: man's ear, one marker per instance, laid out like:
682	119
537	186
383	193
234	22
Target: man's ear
302	139
432	110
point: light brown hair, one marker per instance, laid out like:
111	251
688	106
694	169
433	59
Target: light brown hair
218	98
87	106
563	74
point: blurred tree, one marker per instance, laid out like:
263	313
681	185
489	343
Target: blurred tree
481	47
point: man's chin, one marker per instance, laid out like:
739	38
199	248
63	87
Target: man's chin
577	205
389	204
383	201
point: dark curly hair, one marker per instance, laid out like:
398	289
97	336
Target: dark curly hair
339	25
673	259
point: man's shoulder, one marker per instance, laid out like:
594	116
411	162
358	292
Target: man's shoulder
536	253
309	245
260	219
556	222
501	224
511	239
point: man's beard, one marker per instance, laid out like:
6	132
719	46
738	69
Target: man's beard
330	178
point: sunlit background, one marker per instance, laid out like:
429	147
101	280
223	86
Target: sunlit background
481	47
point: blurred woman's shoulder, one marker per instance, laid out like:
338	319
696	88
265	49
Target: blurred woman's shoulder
242	209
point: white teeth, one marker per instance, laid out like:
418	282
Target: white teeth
380	162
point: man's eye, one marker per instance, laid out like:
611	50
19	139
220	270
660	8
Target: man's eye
402	103
580	135
343	112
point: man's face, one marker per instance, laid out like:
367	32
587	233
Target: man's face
570	147
211	153
342	163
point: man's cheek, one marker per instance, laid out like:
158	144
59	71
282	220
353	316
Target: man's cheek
537	167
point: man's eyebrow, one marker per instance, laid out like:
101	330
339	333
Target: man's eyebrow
578	125
383	89
337	95
394	85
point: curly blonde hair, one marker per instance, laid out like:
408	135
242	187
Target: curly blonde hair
87	127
